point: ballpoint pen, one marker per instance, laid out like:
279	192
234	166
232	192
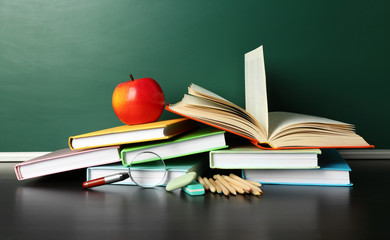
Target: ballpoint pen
106	180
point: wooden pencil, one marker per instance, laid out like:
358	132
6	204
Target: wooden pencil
200	180
217	188
211	187
224	189
237	183
225	183
255	192
253	182
253	187
238	189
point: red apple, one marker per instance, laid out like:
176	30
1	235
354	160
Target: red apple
138	101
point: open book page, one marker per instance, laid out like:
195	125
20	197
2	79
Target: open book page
196	90
320	140
280	121
256	102
293	129
191	100
202	93
226	117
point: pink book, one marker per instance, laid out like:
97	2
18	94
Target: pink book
66	160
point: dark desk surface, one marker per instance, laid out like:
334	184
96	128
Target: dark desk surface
56	207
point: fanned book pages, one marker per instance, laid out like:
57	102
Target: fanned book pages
269	130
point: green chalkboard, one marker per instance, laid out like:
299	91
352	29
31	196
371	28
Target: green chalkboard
61	60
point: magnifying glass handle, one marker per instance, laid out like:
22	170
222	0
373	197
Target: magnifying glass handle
105	180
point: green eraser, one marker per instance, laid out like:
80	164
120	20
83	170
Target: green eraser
181	181
194	188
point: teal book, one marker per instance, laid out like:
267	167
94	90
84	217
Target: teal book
151	173
333	171
199	140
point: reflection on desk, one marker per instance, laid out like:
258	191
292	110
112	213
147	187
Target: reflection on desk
117	206
57	207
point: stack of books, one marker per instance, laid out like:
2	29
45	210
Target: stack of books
293	167
272	147
280	147
109	151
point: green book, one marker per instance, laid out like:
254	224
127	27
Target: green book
202	139
152	172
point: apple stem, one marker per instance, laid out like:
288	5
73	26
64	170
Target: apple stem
131	77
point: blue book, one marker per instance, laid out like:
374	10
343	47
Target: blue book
333	171
151	173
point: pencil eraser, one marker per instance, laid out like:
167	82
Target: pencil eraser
181	181
194	188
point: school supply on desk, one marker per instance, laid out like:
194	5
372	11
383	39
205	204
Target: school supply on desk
248	156
181	181
230	184
106	180
66	160
194	189
126	134
333	171
150	173
269	130
201	139
158	167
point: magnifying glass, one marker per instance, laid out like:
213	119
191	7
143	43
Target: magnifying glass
147	175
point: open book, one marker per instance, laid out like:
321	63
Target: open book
269	130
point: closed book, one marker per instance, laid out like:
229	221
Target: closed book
248	156
126	134
202	139
66	160
333	171
150	173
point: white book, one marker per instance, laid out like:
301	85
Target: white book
333	171
248	156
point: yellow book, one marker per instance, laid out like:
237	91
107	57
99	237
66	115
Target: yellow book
126	134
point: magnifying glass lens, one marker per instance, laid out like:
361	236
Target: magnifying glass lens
147	169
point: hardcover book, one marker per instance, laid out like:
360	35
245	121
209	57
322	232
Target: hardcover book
150	173
333	171
269	130
66	160
202	139
248	156
126	134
